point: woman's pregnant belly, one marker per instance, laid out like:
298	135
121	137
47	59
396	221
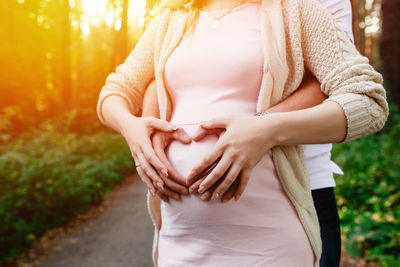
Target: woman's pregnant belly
251	226
183	157
263	195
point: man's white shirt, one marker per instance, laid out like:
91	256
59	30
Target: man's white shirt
319	164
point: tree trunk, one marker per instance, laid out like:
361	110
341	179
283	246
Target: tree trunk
78	55
355	4
362	13
124	31
114	54
120	37
66	56
390	47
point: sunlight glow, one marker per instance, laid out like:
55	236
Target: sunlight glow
137	9
371	23
93	8
109	18
96	12
85	28
118	25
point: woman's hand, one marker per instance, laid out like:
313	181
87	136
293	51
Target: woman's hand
175	183
243	141
137	132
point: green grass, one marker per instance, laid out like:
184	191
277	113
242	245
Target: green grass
369	194
48	177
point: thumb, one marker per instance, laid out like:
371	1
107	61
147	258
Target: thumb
162	125
181	136
219	122
202	132
199	134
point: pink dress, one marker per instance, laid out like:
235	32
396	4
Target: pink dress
217	72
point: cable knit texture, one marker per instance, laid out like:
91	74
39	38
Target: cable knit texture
312	39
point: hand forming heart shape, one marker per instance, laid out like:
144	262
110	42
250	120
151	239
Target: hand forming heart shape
175	183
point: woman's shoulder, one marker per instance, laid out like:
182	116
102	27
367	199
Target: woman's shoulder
164	16
307	13
301	5
312	8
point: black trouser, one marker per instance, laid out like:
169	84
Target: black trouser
325	204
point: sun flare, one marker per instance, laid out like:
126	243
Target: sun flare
94	8
95	12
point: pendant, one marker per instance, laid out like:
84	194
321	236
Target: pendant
216	24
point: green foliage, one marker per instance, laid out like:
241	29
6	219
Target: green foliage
369	194
47	177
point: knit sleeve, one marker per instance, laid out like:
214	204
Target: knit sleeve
131	77
345	75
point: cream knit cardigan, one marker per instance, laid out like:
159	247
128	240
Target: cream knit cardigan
307	36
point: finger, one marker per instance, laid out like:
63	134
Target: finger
152	158
181	136
206	196
218	122
149	171
231	191
173	174
244	179
146	180
230	177
161	125
203	174
193	189
175	187
206	161
201	133
170	194
216	173
162	196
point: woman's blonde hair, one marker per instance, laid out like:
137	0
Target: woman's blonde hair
189	5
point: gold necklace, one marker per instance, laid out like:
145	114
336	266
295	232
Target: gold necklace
218	18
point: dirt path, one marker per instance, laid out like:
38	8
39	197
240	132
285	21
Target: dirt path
118	233
119	237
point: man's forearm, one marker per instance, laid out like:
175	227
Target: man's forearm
308	95
324	123
150	102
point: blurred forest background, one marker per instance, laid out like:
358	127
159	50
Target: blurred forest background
56	160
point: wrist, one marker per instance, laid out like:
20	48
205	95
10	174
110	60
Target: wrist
116	111
124	120
270	126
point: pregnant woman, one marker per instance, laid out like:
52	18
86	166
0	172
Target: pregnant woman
213	73
221	62
318	156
